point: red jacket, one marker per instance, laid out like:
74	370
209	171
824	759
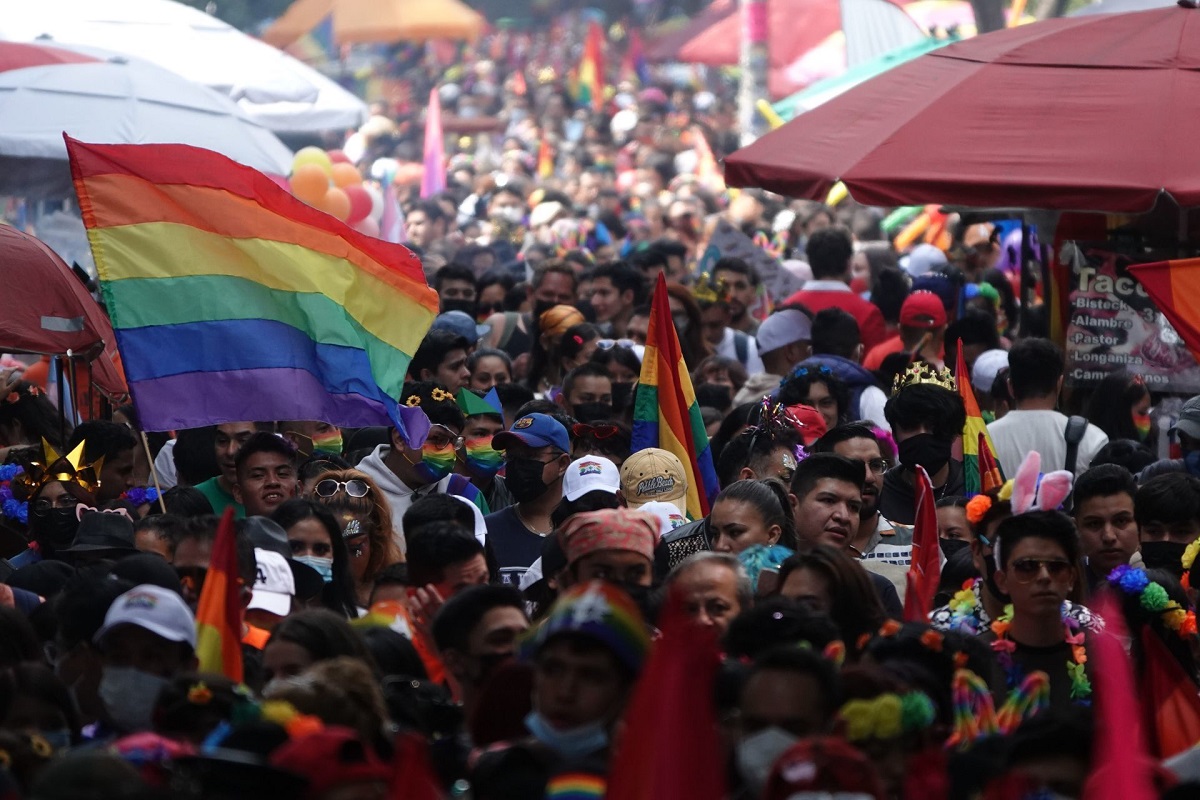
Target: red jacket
871	326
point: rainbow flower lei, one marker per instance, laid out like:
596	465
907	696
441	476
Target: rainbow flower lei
1154	598
11	507
139	496
1081	687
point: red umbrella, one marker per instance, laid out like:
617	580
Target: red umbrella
1085	113
796	27
667	46
45	309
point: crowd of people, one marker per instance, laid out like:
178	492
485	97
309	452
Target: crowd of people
474	615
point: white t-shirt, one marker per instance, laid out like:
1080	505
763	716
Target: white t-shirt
1018	432
728	348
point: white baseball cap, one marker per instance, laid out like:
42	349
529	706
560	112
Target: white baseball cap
782	328
669	517
987	367
590	474
274	586
152	608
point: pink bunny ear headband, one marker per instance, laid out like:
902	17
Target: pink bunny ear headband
82	509
1028	493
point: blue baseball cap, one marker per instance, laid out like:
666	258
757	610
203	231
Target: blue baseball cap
534	430
461	323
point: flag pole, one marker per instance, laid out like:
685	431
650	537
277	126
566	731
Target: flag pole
153	472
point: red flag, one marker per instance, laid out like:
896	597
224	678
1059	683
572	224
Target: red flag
990	476
925	570
219	611
1123	769
1172	285
670	749
1170	704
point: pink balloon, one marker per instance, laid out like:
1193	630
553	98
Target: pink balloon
338	157
360	202
368	226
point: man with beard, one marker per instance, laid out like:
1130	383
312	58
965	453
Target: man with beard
742	283
475	631
883	546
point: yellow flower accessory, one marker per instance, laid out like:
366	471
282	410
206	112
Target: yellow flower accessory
886	716
41	748
439	394
1189	555
413	401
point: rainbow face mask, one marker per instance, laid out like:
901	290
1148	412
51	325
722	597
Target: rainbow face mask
330	442
436	462
1141	424
482	460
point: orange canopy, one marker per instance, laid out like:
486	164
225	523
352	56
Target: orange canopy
378	21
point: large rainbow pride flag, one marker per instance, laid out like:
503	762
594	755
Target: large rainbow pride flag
665	412
232	300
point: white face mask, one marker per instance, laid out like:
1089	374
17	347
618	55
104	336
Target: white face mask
509	214
130	695
757	753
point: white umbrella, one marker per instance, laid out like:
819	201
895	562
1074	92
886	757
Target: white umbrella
278	90
115	99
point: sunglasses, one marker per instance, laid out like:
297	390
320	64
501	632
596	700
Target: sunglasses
602	431
354	487
609	344
1026	570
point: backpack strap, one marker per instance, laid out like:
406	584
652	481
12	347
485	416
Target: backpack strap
1076	428
510	325
741	347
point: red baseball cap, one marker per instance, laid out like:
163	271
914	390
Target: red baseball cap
812	424
922	309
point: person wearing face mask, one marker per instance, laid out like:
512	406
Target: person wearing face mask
926	416
537	451
476	631
586	656
1035	377
313	437
789	694
587	393
402	469
478	461
1167	511
54	486
455	286
315	539
148	638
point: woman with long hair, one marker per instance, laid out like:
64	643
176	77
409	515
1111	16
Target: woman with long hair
827	580
365	519
1120	406
686	316
316	540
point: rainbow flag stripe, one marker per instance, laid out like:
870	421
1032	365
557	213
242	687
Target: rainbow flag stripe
590	87
233	300
975	433
1174	286
665	412
219	611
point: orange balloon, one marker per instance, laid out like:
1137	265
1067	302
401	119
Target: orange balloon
336	203
309	183
346	175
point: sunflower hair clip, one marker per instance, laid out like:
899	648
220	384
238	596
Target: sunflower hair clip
440	395
413	401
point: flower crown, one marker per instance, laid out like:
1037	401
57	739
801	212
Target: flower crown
1153	597
920	372
67	469
11	507
886	716
22	390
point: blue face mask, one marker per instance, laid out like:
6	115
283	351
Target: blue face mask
572	744
1191	461
321	565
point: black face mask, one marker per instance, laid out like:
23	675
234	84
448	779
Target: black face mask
53	529
952	546
924	449
592	412
458	304
1164	555
488	663
622	396
523	477
541	307
644	597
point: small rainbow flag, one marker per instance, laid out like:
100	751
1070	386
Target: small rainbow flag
665	412
233	300
434	179
590	90
976	442
545	159
1174	286
219	612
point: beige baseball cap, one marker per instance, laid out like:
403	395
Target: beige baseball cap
652	475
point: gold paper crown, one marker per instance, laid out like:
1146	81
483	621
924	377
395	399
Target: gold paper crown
708	290
68	469
922	372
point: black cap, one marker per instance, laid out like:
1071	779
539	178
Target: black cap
150	568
